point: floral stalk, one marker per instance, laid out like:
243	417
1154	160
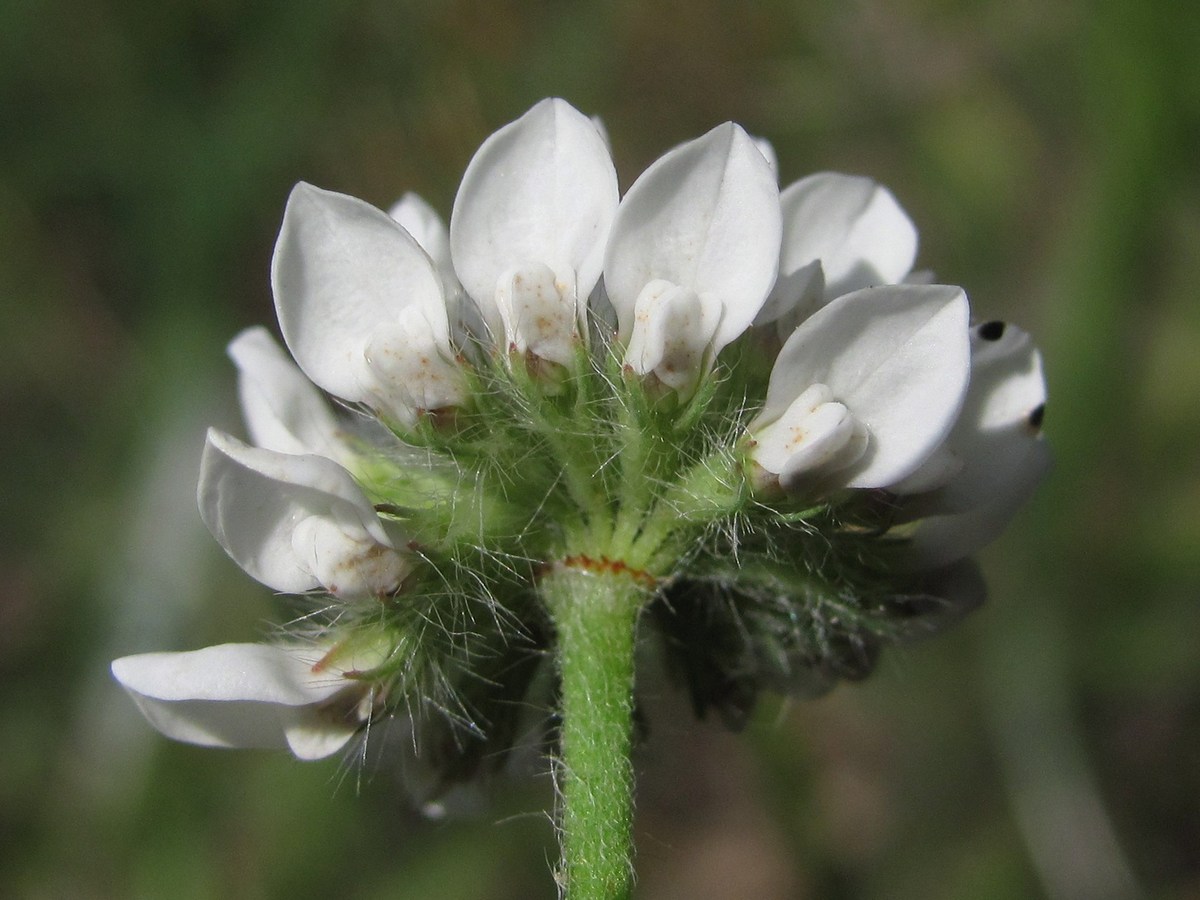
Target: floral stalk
595	610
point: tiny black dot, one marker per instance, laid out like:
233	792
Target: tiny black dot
991	331
1035	417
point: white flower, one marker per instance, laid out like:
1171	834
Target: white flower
693	253
840	233
868	387
529	226
295	522
362	306
283	410
249	695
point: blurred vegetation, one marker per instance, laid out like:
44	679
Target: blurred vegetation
1049	747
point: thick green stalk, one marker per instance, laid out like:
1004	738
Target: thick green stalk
595	606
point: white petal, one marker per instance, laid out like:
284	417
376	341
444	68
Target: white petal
542	190
1000	418
240	695
538	313
602	130
705	217
346	560
941	466
852	225
313	736
284	411
805	293
410	368
896	357
252	499
939	540
816	434
425	227
674	335
342	269
767	149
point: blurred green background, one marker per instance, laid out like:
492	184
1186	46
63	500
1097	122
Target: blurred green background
1050	747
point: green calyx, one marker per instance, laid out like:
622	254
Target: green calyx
546	462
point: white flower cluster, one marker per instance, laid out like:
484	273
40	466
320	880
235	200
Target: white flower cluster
878	381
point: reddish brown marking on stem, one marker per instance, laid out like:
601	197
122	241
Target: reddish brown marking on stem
604	565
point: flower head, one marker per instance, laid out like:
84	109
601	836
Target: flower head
737	403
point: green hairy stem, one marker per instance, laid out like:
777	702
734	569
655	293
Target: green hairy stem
595	604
